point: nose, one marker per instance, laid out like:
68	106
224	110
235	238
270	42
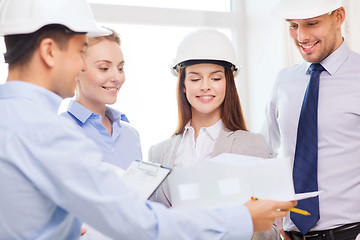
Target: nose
302	34
118	76
205	85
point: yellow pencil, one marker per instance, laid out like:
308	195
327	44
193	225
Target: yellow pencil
296	210
300	211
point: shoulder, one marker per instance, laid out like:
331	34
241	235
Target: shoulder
289	78
158	151
45	127
248	137
127	127
294	68
249	143
70	116
161	146
289	73
354	59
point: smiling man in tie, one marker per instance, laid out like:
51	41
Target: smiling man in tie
314	115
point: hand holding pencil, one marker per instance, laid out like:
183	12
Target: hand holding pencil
264	212
296	210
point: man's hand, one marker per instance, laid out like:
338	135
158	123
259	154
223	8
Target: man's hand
264	212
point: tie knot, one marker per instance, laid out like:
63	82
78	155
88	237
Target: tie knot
316	67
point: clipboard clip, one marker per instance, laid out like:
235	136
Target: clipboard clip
149	167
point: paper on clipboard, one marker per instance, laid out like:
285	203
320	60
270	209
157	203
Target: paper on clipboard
230	179
143	177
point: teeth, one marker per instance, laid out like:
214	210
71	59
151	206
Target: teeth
206	97
307	46
111	89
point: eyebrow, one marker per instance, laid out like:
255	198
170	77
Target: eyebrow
218	71
107	61
210	73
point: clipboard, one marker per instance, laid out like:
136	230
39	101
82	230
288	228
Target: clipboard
145	177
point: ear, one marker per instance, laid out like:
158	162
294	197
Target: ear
340	16
47	51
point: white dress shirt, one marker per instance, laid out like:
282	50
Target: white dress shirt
338	132
190	152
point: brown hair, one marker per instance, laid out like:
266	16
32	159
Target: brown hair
21	47
114	37
231	112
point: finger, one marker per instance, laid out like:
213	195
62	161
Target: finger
286	205
281	213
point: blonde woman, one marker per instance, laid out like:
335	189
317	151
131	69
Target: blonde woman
98	85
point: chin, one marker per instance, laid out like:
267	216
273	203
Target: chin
110	102
310	59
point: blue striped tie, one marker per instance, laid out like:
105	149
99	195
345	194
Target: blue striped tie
306	153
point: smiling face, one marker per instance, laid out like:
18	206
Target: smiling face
205	87
100	83
318	37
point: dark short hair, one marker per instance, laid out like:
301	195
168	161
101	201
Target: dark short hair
21	47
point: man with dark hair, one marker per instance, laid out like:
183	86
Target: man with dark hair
51	176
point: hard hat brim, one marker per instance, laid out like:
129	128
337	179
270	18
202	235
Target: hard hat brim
302	11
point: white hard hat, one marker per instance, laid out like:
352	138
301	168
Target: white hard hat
304	9
207	46
28	16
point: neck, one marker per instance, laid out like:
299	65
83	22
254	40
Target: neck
27	74
203	120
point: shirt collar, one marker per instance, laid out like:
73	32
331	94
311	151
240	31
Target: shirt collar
79	111
335	60
115	116
213	130
42	96
187	128
83	114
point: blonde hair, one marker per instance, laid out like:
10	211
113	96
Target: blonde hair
112	37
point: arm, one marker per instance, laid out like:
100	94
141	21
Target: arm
271	130
65	167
